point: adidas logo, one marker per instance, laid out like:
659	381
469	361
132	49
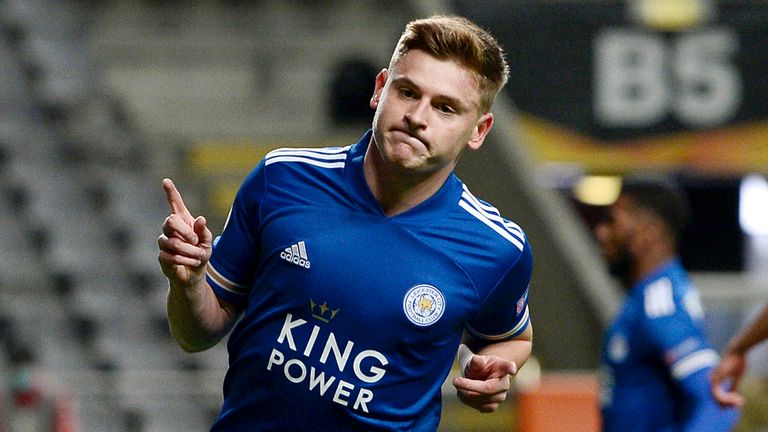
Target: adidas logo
296	254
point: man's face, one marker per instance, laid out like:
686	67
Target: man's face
616	235
427	113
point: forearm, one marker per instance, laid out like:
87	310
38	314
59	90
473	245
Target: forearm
197	318
484	380
518	350
750	336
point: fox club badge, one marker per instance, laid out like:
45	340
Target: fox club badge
423	304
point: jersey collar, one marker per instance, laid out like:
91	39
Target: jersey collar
671	266
445	199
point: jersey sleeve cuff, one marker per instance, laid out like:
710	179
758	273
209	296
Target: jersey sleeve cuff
693	362
522	324
223	287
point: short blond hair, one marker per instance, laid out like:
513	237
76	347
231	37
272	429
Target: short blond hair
458	39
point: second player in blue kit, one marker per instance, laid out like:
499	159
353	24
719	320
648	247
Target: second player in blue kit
656	355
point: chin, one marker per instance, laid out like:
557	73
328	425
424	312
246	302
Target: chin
403	154
621	269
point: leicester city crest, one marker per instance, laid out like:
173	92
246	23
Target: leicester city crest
423	304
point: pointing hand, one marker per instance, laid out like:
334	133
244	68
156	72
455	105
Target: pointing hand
185	244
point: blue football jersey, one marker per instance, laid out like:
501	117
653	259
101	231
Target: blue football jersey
657	360
352	319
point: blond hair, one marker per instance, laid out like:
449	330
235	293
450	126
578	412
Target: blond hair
460	40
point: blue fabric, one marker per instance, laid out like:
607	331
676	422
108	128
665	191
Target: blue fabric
351	318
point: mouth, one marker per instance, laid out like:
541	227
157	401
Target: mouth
407	137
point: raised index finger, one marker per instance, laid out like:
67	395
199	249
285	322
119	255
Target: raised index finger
175	201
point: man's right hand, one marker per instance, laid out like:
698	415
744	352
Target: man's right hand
185	244
725	379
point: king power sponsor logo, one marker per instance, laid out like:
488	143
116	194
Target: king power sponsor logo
295	346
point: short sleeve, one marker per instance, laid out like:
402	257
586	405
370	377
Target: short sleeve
236	250
504	313
674	332
671	325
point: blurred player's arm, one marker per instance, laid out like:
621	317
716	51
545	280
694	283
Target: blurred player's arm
487	367
198	319
678	341
753	334
733	363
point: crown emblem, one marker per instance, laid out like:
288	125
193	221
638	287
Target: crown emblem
322	311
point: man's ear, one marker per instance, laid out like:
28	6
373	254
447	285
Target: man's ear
482	127
659	229
378	89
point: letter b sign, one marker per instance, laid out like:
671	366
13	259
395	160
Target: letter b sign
641	77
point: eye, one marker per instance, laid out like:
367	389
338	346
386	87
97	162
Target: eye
445	108
406	92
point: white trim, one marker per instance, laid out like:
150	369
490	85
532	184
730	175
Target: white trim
305	160
494	213
311	154
694	362
223	282
484	219
313	150
523	323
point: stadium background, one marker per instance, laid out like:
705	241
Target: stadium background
99	100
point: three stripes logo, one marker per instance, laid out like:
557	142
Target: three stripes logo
296	254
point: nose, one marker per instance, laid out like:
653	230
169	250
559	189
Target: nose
415	117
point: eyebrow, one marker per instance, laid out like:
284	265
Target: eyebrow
450	100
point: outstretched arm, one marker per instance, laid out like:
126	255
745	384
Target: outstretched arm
197	318
733	363
485	379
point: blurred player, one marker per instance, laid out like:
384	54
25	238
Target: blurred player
728	374
351	274
656	357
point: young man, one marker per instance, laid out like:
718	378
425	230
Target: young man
656	358
351	275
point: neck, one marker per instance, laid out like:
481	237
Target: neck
651	260
397	190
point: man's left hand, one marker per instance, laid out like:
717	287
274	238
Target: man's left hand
485	382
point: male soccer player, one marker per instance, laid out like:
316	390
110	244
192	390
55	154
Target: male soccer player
656	358
351	275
